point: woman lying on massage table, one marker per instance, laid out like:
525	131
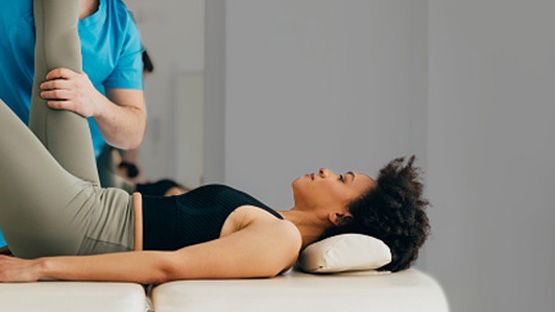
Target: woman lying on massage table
64	225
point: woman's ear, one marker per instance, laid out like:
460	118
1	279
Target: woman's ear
340	218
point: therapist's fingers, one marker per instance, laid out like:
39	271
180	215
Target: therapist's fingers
67	105
56	94
61	73
70	106
56	84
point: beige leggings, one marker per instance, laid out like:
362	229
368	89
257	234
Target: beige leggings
51	202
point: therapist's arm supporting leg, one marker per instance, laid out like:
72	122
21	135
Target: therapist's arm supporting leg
65	134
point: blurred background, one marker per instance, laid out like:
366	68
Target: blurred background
255	93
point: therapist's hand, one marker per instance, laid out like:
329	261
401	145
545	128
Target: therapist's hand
66	89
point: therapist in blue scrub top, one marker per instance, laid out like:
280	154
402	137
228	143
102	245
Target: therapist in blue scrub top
110	93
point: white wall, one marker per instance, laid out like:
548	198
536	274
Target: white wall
321	83
491	156
173	33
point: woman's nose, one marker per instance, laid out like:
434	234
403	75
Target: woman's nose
323	172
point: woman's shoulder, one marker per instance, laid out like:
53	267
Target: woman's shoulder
249	214
283	237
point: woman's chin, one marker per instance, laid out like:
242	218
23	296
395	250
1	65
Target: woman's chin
301	185
297	183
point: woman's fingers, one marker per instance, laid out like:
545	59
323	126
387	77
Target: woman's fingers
57	94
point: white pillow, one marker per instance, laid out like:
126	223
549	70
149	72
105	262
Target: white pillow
345	252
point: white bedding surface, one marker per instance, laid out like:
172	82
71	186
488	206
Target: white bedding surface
410	290
72	296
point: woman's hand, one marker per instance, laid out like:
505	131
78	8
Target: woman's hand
14	270
66	89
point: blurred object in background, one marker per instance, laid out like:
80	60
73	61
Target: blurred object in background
147	63
163	187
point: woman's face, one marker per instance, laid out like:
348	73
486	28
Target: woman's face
327	190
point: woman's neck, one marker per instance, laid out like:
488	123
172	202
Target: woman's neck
309	225
88	8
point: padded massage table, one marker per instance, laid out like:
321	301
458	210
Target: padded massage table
409	290
57	296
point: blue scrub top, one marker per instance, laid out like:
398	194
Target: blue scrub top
110	44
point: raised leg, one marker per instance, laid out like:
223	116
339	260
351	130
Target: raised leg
65	134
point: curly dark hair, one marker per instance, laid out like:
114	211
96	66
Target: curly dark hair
392	211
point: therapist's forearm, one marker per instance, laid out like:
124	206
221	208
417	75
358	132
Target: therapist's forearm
121	126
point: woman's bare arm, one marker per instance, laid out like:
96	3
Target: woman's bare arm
258	250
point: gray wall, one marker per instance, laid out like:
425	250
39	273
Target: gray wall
173	33
491	155
321	83
214	91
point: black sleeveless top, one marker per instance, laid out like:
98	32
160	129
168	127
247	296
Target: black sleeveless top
170	223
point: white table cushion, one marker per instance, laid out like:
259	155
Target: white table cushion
409	290
72	296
